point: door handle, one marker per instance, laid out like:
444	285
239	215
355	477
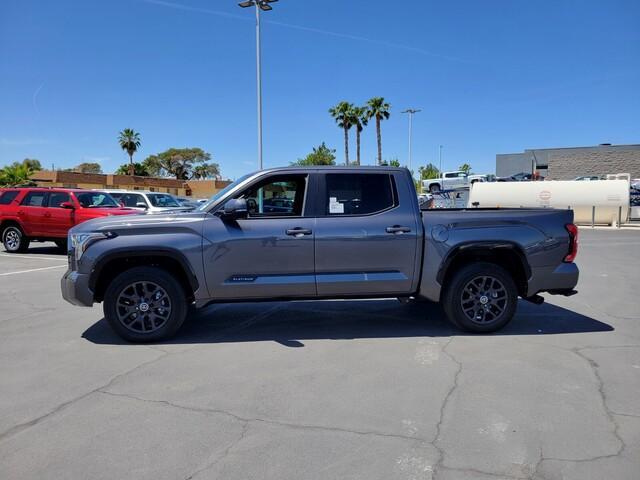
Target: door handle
298	232
20	212
398	229
47	214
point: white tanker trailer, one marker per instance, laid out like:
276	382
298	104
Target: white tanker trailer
609	197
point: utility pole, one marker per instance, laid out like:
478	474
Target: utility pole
440	155
264	6
411	112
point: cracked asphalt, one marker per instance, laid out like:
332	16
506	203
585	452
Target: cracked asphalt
318	390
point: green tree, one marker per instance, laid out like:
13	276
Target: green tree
206	170
359	119
130	142
33	164
88	167
393	162
429	171
465	167
322	155
379	109
15	174
181	163
343	115
139	169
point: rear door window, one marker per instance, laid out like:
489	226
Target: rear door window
34	199
58	198
358	193
7	197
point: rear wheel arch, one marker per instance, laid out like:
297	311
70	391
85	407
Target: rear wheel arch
507	255
111	265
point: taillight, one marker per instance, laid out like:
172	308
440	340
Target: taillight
573	242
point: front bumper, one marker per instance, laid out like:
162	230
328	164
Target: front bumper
75	288
560	279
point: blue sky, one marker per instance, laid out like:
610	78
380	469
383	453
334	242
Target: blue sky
491	76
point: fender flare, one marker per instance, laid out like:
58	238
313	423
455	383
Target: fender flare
139	251
490	246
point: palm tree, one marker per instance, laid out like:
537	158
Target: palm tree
377	108
15	175
130	142
342	114
359	118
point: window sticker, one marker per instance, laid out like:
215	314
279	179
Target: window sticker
335	206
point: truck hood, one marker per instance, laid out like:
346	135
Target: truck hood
112	211
133	224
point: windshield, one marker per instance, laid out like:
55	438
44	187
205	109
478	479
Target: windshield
223	192
162	200
96	200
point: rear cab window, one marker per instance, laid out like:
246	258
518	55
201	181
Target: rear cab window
359	193
8	196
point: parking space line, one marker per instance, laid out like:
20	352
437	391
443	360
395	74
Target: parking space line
28	257
31	270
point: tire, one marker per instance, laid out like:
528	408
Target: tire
145	304
62	245
14	239
480	298
434	188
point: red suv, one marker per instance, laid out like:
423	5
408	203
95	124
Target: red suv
47	214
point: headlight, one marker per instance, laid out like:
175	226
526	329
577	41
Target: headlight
79	242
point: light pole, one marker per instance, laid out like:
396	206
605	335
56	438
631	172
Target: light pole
410	112
440	155
264	6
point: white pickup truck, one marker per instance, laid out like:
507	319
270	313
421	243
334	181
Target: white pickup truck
451	181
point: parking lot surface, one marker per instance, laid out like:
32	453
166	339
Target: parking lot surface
319	390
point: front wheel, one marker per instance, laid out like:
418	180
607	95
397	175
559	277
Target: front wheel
62	245
145	304
480	298
14	240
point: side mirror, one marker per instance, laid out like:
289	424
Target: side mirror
234	209
67	205
141	205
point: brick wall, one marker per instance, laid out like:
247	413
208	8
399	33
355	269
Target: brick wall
567	164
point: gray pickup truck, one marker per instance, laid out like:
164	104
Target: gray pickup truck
319	233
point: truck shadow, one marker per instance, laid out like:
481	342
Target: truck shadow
290	323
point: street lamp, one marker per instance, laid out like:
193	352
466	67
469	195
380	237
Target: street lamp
264	6
410	111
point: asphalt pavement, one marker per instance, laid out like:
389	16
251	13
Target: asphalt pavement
325	389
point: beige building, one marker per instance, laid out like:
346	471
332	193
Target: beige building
569	163
188	188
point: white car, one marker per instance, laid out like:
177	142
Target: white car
150	202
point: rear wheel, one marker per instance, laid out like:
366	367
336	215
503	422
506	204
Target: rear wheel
434	188
62	245
145	304
14	240
481	298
